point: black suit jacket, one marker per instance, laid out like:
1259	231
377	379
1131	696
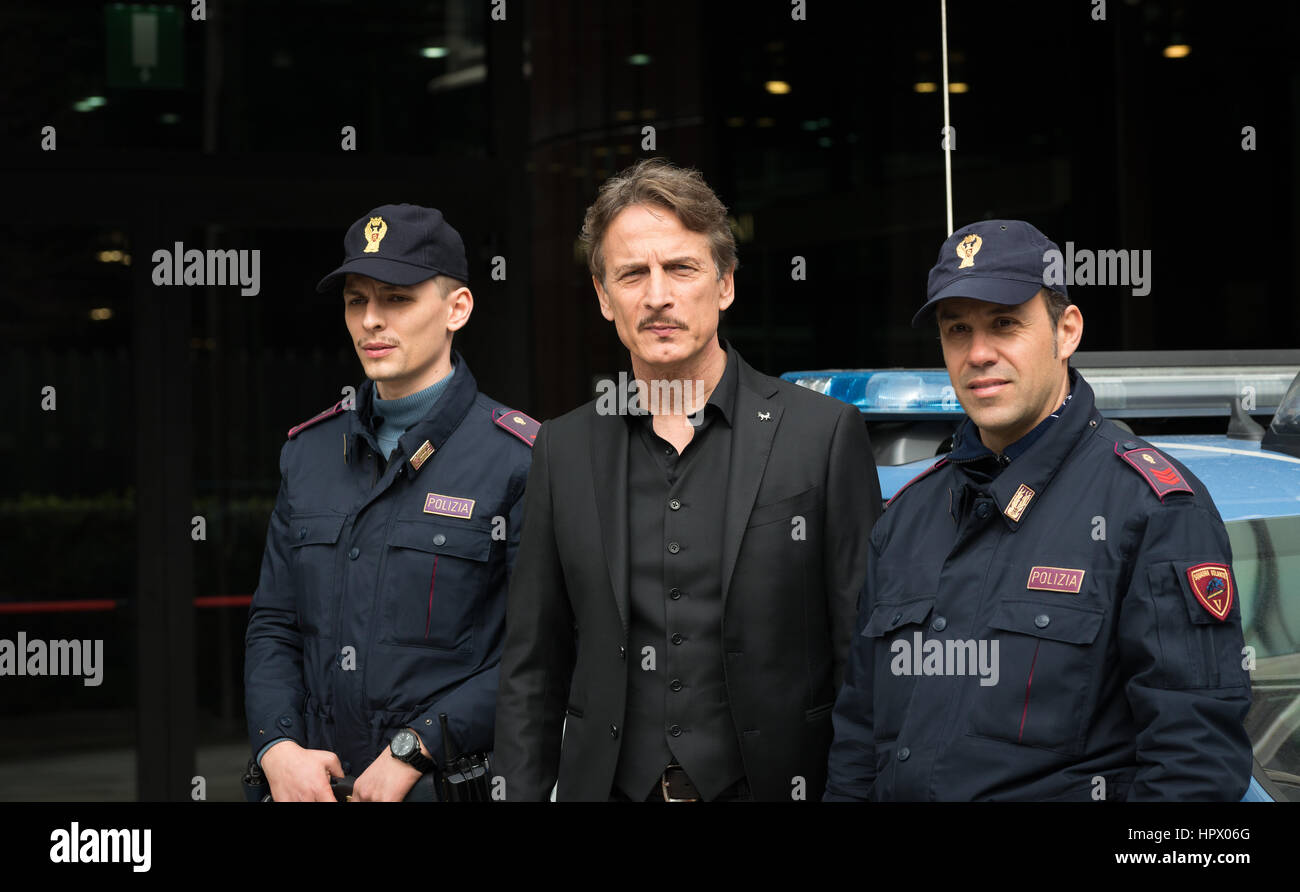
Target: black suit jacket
801	498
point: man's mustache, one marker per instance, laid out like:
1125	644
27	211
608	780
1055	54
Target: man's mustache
660	320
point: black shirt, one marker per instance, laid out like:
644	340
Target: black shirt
677	708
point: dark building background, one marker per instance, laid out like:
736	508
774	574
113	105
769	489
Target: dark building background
172	402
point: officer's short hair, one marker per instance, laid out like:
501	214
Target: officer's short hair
448	284
655	181
1056	303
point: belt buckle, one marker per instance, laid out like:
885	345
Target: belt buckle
665	787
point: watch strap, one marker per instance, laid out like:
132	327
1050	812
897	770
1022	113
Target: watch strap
415	758
420	762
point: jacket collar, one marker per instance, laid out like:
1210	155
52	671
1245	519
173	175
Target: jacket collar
968	447
724	395
1021	484
435	427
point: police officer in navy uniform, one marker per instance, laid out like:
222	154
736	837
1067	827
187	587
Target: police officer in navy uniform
381	601
1049	611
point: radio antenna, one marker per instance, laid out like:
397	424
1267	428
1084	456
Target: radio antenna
947	129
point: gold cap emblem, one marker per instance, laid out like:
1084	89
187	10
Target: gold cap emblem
375	231
967	248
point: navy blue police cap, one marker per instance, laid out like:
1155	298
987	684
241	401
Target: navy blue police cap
401	244
1000	261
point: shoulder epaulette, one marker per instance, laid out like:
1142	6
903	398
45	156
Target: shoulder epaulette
316	419
934	467
515	422
1155	469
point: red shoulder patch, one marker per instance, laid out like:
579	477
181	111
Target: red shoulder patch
1162	476
515	422
934	467
1212	585
316	419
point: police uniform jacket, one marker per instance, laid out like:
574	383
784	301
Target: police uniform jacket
381	601
1097	565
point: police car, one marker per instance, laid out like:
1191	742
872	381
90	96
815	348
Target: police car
1197	408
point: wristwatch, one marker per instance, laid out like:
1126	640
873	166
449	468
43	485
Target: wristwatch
405	747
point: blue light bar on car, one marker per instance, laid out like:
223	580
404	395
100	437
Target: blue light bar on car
913	394
884	394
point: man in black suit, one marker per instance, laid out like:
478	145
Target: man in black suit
687	577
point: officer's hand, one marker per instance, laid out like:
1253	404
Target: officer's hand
388	779
300	775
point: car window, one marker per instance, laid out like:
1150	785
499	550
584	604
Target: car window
1266	565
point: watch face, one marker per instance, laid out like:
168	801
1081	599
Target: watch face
403	744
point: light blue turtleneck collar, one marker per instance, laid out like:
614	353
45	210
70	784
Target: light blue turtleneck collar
400	414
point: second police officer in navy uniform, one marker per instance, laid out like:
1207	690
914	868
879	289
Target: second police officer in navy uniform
381	601
1049	611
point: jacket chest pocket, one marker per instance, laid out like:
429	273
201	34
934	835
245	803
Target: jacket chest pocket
435	580
775	549
785	509
312	540
892	679
1046	663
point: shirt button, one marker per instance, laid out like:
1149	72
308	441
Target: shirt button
904	754
440	539
668	450
613	730
302	532
676	684
354	553
675	730
622	652
1042	620
285	721
677	638
939	624
673	548
675	593
674	504
982	510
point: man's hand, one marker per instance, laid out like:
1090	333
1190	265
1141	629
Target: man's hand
300	775
388	779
